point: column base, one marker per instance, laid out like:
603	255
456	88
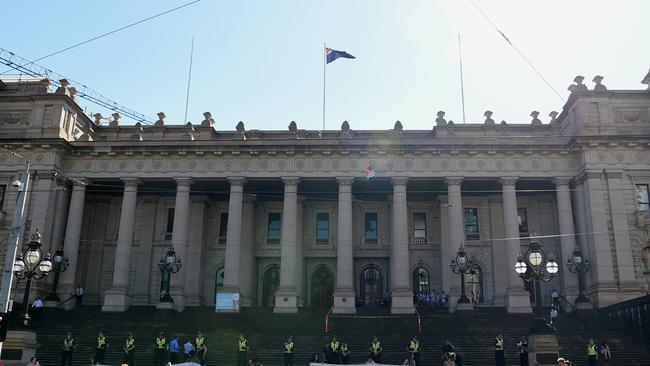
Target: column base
518	302
192	301
164	305
116	300
464	307
286	302
604	295
584	306
543	348
22	344
344	302
401	302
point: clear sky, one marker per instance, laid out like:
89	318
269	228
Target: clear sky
262	61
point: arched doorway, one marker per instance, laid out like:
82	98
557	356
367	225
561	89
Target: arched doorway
270	285
421	285
474	283
322	287
371	286
218	281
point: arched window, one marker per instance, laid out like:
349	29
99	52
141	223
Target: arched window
421	281
322	287
372	286
218	280
270	286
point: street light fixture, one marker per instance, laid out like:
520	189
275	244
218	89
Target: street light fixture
59	264
169	264
578	264
460	265
31	265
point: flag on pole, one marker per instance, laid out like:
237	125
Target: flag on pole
370	172
334	54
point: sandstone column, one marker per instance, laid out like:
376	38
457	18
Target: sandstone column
144	254
194	256
247	253
117	298
567	237
179	240
456	235
231	281
344	296
71	241
402	297
286	297
517	298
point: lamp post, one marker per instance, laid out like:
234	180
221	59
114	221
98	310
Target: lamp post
535	266
31	265
169	264
460	265
59	264
579	265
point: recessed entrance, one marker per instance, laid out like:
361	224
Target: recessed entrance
322	287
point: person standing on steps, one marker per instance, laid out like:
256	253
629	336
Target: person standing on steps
334	351
345	353
68	349
100	351
242	351
414	348
288	351
376	350
174	350
522	345
499	357
201	348
592	353
79	294
129	350
160	350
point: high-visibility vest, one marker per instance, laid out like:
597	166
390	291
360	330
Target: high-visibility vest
288	347
130	344
334	346
499	345
68	344
161	343
376	346
243	345
101	342
199	341
344	349
591	350
414	346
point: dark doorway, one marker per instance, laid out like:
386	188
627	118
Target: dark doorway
270	286
322	288
371	286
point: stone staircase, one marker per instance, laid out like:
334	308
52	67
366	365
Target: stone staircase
266	333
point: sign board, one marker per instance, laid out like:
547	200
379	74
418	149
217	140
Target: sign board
227	301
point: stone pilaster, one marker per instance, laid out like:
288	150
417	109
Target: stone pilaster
517	299
117	298
581	225
402	296
247	253
286	297
233	235
145	249
179	240
43	200
567	237
194	257
456	235
344	296
71	241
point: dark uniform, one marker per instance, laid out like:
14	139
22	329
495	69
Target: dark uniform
414	348
345	353
334	351
523	351
242	351
100	351
288	352
129	351
499	357
376	350
201	348
68	348
160	350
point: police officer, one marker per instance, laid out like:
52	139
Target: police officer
242	348
160	350
414	348
376	350
334	351
522	345
201	348
592	353
129	350
499	357
100	351
68	348
345	353
288	351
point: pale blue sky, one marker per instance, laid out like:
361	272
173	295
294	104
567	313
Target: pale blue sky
262	61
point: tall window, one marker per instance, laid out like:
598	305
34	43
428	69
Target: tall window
3	189
169	228
419	228
273	228
322	228
642	199
372	233
522	219
218	281
223	227
471	224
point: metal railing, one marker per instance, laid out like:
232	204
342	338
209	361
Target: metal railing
633	314
273	240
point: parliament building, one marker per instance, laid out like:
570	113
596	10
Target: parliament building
343	218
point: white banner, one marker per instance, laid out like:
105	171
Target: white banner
354	364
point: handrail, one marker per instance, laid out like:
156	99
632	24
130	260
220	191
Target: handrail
419	321
327	319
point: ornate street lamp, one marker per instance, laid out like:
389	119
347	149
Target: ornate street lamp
59	264
169	264
535	266
578	264
31	265
460	265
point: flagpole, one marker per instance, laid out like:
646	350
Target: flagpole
462	89
189	79
324	63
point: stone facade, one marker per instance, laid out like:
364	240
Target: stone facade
288	218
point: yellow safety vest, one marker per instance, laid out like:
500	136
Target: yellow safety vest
344	349
67	344
130	344
243	345
161	343
101	342
288	347
415	346
199	341
376	346
499	345
591	350
334	346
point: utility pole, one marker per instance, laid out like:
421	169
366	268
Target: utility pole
14	238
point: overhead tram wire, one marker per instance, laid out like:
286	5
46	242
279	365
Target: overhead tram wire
107	33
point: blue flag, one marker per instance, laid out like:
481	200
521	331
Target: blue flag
334	54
